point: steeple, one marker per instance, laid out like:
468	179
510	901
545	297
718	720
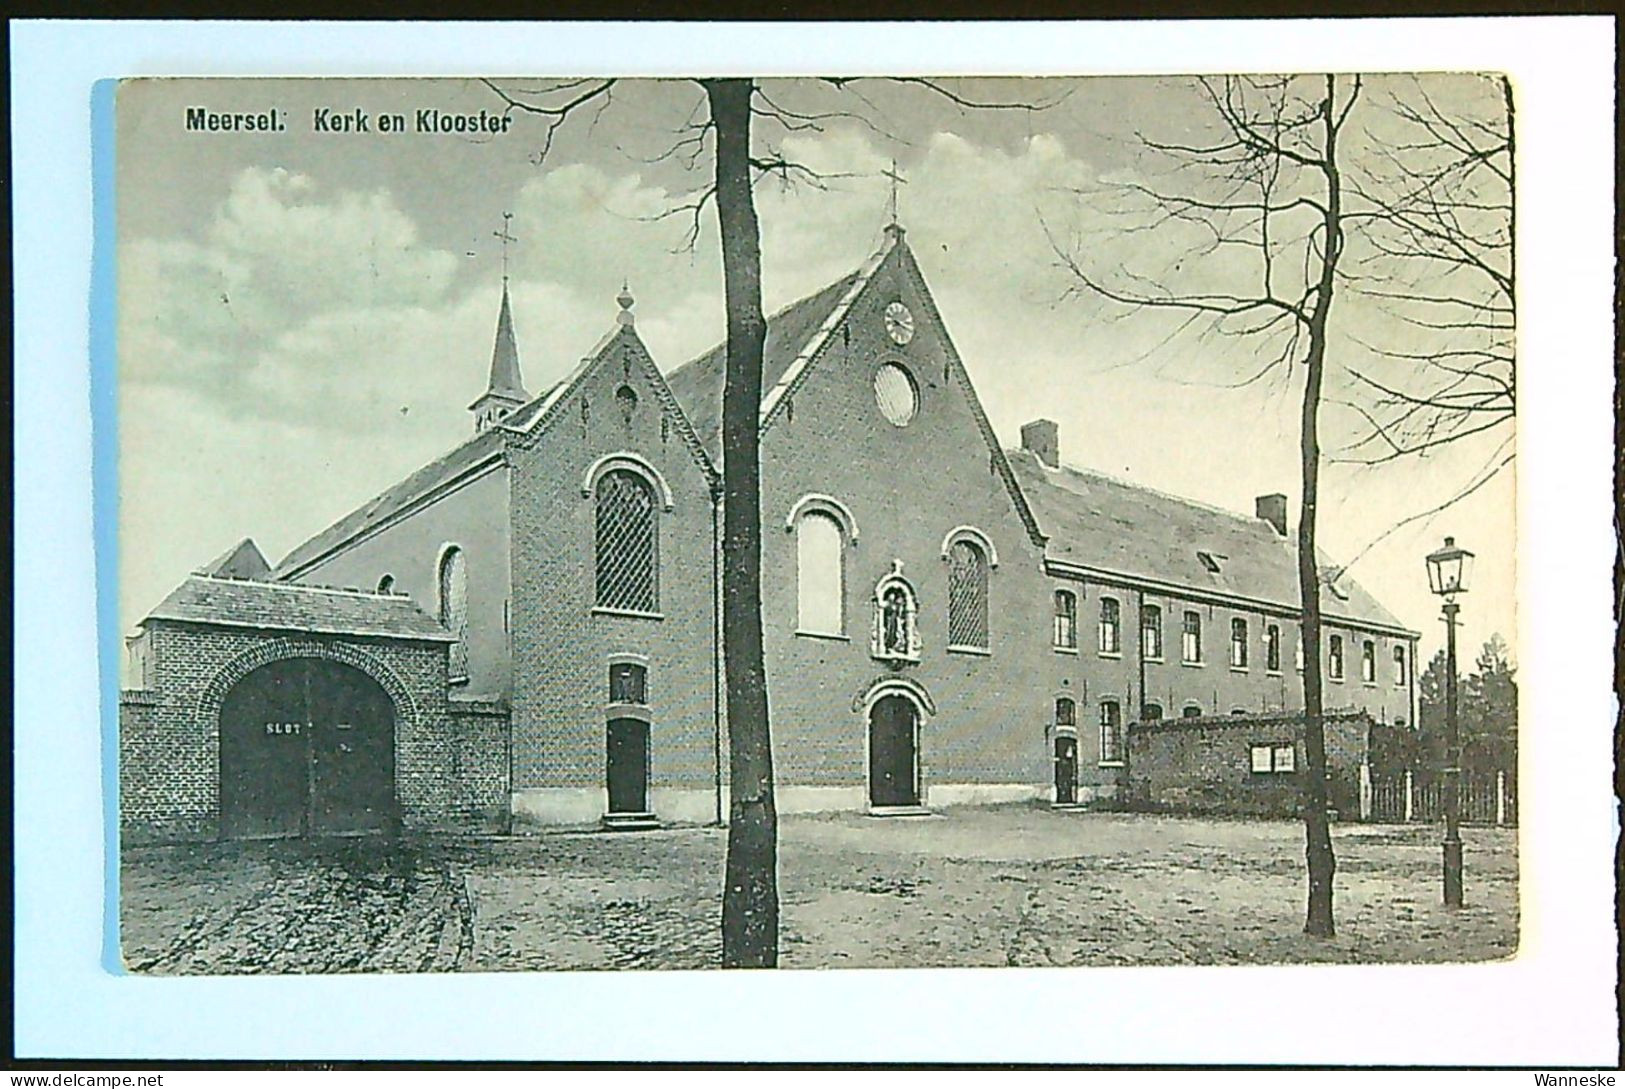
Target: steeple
506	390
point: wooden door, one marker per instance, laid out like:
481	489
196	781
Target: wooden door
628	765
1066	770
893	778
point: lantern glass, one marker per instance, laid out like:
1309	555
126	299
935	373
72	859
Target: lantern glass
1450	569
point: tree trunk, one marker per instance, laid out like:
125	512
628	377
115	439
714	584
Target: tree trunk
750	896
1321	861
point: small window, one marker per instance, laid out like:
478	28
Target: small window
1151	712
628	683
1151	632
1066	619
1066	713
1334	658
1272	648
1209	561
1272	759
1191	710
1238	710
1238	644
626	399
1191	647
896	394
1110	626
1111	732
1368	662
386	584
1400	672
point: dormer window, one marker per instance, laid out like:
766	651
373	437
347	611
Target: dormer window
1209	561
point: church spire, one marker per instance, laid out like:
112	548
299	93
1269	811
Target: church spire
506	390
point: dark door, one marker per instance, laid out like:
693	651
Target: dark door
892	726
628	765
1066	770
307	746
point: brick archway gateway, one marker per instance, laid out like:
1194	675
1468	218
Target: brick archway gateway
406	710
305	737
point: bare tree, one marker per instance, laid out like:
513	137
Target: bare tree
1254	209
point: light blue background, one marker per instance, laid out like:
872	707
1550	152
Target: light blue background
1553	1004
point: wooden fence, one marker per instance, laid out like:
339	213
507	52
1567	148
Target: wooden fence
1485	798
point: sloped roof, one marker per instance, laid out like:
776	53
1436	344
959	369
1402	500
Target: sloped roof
1141	534
243	560
441	471
697	384
285	606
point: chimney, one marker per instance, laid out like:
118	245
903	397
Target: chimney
1043	439
1272	508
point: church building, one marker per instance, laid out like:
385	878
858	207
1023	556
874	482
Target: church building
526	631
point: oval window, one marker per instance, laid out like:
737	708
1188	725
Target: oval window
896	394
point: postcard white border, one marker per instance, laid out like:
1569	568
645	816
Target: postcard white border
1554	1004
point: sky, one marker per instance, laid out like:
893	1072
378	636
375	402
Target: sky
305	315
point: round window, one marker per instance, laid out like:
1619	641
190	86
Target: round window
896	394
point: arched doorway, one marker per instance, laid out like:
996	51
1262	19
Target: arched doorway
894	747
307	747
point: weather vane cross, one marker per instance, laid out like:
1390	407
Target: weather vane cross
506	237
896	180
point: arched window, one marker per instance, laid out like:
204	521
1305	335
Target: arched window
1368	662
1110	626
1399	665
1191	646
452	607
1151	712
386	584
1272	648
1334	658
1111	732
1238	643
1066	620
820	574
628	543
967	595
1066	713
1151	632
1191	710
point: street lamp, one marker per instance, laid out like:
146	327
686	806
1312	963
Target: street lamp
1448	571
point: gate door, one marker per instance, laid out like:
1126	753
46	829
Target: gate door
307	747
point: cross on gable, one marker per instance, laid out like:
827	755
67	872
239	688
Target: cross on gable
896	179
506	237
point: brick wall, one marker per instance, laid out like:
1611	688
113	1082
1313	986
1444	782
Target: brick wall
1204	765
169	745
480	730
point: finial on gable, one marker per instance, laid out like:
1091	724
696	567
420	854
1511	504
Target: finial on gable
625	300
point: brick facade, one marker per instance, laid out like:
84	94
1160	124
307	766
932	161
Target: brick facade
523	739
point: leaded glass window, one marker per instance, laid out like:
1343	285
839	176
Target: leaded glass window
628	547
967	595
452	608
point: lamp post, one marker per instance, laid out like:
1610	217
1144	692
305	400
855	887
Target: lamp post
1448	571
